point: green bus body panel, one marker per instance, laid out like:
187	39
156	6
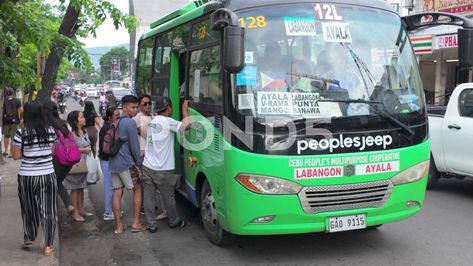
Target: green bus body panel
237	206
187	8
220	163
176	22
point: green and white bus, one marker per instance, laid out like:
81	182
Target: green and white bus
312	112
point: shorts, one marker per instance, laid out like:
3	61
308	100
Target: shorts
128	178
9	130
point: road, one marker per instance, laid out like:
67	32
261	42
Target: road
440	234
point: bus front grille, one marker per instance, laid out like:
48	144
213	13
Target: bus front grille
344	197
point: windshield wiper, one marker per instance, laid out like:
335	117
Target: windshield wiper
373	105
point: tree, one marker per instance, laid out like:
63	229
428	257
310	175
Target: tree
106	61
82	18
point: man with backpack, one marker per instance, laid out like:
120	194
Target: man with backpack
125	164
12	112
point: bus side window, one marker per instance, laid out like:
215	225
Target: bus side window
205	83
160	81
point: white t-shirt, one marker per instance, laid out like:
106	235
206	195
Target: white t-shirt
159	152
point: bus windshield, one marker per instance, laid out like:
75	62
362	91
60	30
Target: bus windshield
324	61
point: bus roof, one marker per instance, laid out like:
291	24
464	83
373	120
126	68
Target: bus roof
196	8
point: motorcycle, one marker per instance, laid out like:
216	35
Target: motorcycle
82	100
103	108
62	107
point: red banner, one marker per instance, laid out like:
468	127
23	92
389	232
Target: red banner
464	7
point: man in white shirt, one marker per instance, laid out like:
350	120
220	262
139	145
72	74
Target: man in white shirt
159	164
142	120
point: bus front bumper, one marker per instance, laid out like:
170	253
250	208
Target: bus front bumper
284	214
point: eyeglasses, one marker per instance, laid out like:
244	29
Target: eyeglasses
146	103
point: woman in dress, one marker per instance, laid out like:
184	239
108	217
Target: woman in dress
37	190
91	121
77	183
52	118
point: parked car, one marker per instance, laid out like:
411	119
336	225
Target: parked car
451	133
92	92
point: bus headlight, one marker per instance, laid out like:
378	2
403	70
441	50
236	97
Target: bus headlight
412	174
268	185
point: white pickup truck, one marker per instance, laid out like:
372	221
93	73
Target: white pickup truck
451	133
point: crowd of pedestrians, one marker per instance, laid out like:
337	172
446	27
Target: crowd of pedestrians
144	163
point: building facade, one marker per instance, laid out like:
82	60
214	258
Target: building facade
437	50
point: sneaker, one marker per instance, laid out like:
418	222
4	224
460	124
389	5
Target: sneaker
153	229
162	216
180	224
142	211
108	217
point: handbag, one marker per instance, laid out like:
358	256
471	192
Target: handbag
66	151
92	167
80	167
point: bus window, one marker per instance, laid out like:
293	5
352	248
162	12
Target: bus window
180	37
205	83
202	33
160	82
145	62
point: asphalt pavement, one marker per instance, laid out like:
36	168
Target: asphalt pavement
440	234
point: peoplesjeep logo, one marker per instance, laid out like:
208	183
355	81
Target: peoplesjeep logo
334	143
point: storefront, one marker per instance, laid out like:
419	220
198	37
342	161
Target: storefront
437	51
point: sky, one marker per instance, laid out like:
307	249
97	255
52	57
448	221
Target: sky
107	35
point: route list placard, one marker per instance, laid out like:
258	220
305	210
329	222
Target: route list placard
285	103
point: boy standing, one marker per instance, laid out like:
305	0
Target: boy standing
158	164
125	165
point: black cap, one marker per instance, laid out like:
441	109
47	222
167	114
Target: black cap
9	91
162	104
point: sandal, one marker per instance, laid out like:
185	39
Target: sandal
48	251
139	229
119	231
27	243
180	224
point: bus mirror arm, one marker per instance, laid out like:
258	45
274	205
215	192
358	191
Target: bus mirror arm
233	39
222	18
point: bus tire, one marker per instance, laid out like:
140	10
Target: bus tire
434	175
208	214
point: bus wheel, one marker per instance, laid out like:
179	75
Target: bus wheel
434	175
208	214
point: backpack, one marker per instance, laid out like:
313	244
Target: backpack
11	112
111	141
66	151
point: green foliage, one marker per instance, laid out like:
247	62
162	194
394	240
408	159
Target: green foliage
29	26
25	27
106	61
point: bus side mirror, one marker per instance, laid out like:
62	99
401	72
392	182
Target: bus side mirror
234	49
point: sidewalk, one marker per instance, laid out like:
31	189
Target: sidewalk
11	228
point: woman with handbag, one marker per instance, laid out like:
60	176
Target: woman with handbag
76	181
51	114
37	190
